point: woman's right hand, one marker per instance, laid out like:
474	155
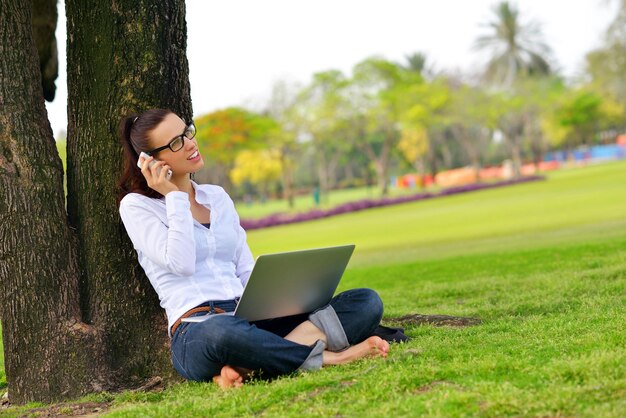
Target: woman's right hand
158	182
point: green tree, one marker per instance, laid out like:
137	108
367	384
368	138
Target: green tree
519	57
260	168
423	105
282	107
414	145
322	110
223	134
606	65
472	119
377	93
519	116
516	48
579	115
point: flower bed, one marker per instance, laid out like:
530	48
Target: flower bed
283	219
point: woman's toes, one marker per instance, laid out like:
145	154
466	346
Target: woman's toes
228	378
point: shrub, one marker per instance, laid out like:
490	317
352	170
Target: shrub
286	218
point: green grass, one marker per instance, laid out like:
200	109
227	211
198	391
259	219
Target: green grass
572	204
542	264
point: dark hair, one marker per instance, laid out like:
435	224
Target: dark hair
133	134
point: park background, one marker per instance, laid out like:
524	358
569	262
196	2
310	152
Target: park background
274	123
541	263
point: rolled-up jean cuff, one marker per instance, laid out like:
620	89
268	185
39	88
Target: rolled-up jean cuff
326	319
315	358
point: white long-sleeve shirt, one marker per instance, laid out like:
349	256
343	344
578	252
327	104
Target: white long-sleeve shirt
186	262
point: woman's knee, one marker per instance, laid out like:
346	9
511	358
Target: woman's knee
369	303
375	306
360	312
209	343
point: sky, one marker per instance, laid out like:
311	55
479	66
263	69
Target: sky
237	49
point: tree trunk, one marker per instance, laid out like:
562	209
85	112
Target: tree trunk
434	168
537	152
123	56
79	314
349	173
42	327
420	167
446	154
333	162
380	162
287	178
390	139
322	175
470	148
433	163
45	18
534	136
516	156
381	178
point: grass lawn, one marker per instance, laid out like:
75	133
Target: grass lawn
572	206
543	265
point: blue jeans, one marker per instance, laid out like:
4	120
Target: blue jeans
200	349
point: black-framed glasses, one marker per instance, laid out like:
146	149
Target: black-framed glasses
176	144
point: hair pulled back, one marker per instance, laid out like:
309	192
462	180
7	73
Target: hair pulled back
134	135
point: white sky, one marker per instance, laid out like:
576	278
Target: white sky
238	48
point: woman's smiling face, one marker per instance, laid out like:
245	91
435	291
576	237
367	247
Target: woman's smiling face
186	159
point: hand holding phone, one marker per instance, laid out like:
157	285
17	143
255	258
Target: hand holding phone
154	161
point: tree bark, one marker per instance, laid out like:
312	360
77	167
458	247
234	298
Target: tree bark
49	352
45	18
78	313
123	56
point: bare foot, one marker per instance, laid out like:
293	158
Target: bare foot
228	378
372	347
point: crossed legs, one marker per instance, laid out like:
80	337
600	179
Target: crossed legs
343	327
307	334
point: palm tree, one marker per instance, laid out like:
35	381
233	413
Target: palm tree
516	48
416	62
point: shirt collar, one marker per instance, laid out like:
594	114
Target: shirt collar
203	196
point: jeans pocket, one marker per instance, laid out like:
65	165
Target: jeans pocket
183	327
178	354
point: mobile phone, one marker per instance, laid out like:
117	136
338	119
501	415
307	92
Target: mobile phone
145	157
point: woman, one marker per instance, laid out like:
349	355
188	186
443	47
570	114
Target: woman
194	251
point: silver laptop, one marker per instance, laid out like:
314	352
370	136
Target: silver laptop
290	283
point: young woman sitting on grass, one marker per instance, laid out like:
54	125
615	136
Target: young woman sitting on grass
194	251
